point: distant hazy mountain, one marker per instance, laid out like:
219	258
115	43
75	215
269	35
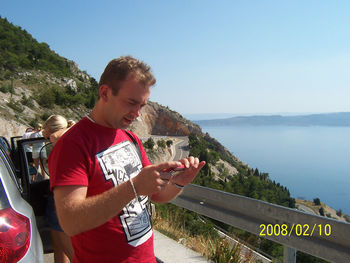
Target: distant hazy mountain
324	119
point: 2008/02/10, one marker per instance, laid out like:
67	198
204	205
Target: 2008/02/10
299	229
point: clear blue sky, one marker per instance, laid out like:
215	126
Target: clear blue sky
208	56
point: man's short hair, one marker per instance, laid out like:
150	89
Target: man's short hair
121	68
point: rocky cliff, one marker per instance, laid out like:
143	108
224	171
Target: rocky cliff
156	119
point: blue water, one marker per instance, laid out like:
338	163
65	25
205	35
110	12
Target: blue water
310	161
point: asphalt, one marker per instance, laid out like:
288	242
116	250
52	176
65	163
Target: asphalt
166	250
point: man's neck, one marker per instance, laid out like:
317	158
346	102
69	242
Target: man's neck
97	117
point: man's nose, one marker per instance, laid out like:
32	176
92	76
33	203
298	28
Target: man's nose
136	111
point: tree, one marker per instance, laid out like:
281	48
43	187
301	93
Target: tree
161	144
317	201
321	211
46	98
213	157
149	144
339	212
169	143
256	172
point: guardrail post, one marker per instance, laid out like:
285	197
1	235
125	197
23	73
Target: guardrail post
289	255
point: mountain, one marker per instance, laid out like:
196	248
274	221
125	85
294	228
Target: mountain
325	119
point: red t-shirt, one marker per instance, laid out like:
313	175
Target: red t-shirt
101	158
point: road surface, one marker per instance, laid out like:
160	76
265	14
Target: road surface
182	149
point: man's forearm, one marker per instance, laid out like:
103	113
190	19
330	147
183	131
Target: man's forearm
78	214
167	194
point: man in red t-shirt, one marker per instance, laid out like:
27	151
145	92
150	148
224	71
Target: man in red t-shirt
102	182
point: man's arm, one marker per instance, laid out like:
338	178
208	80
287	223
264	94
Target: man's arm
170	191
78	213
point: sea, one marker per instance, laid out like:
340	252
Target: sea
311	161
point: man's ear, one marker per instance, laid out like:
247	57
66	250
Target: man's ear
103	92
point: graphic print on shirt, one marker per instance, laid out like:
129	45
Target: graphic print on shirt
120	163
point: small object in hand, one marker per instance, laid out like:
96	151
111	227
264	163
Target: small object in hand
167	174
171	170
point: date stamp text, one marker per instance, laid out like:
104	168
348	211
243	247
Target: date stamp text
297	229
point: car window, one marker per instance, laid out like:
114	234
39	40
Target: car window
14	141
35	160
7	163
44	153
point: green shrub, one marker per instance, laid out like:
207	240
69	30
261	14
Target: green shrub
15	105
169	143
339	212
317	201
33	122
149	144
27	101
4	88
45	116
161	144
46	98
321	211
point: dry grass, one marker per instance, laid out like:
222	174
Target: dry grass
218	250
175	230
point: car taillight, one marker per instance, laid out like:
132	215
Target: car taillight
14	235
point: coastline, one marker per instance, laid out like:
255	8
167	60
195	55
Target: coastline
309	207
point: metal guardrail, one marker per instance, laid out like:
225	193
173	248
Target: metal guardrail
315	235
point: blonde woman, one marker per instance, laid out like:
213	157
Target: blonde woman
54	127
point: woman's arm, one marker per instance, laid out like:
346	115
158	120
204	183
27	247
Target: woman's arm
54	137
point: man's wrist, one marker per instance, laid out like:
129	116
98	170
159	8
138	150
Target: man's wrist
133	188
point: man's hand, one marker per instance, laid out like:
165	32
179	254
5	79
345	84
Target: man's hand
177	179
192	167
149	180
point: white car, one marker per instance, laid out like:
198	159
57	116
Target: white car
22	205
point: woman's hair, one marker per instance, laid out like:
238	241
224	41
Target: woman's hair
55	123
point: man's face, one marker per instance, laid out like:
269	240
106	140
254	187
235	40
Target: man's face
122	109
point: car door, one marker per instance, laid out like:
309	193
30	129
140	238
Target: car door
19	237
34	180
